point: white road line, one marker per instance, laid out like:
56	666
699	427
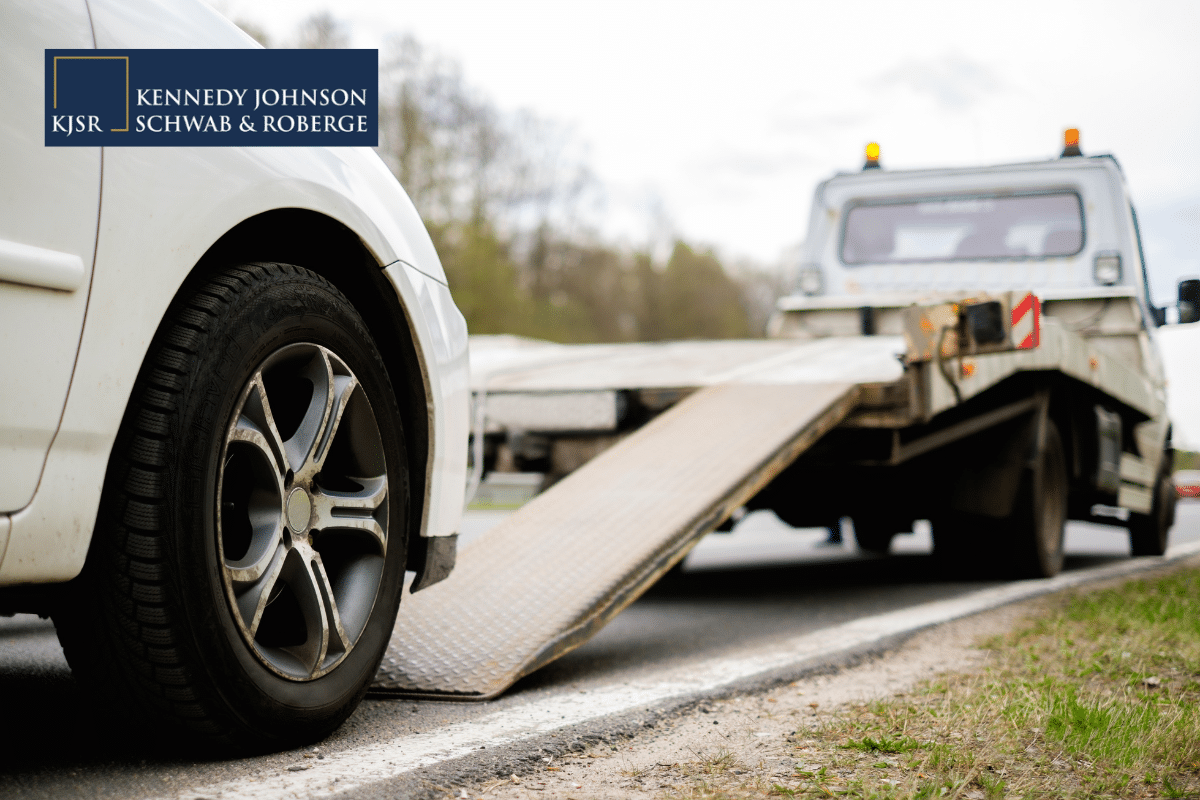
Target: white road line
362	766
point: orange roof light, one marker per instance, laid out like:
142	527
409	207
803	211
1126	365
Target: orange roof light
1071	143
872	156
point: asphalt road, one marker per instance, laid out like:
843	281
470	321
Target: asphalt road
737	592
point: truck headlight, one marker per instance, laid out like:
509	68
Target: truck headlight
811	280
1107	267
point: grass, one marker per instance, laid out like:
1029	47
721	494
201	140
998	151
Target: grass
1186	459
884	744
1098	697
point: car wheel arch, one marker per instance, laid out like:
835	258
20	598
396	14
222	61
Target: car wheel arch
328	247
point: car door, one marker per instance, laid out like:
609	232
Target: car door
49	206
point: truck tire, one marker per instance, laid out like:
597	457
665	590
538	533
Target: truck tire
874	534
247	563
1036	526
1148	532
958	543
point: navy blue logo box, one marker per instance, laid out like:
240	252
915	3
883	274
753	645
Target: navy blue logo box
212	98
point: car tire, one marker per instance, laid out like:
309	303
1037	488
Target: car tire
1148	533
248	560
1037	524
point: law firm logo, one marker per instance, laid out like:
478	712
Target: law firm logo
213	98
95	89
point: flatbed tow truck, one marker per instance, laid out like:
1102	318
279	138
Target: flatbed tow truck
975	347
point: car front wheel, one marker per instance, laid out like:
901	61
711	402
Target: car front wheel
247	564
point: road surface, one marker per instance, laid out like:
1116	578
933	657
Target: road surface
738	595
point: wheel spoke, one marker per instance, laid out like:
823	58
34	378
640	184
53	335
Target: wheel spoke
343	390
256	425
336	640
299	577
251	517
332	388
300	444
254	565
253	599
353	511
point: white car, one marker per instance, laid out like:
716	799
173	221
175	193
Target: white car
233	402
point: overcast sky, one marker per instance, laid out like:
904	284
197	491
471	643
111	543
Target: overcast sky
714	120
720	117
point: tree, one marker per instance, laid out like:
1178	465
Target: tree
322	32
501	195
698	299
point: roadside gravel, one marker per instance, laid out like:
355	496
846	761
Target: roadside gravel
749	737
756	744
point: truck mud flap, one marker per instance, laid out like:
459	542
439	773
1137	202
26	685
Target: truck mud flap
553	574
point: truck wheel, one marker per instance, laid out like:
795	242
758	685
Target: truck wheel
874	534
1039	516
958	543
246	568
1148	532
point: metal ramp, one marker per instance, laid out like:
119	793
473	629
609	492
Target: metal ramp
554	573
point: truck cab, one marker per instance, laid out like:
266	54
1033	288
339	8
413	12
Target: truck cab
1065	228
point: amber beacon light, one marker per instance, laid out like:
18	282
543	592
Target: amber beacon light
872	156
1071	143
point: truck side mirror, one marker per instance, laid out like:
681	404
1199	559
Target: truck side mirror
1189	300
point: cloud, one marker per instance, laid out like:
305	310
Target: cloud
953	80
1190	217
730	161
818	117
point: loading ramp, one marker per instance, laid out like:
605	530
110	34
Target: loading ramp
550	576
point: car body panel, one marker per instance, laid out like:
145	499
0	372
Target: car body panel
48	213
151	235
447	339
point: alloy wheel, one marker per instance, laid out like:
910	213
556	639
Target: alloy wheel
302	512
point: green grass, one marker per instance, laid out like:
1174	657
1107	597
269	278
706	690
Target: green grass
884	744
1186	459
1097	696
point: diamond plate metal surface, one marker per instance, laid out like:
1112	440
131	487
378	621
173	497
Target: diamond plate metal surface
551	575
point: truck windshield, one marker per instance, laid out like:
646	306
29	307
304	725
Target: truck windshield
964	228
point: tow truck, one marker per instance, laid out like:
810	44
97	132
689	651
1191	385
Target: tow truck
971	346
